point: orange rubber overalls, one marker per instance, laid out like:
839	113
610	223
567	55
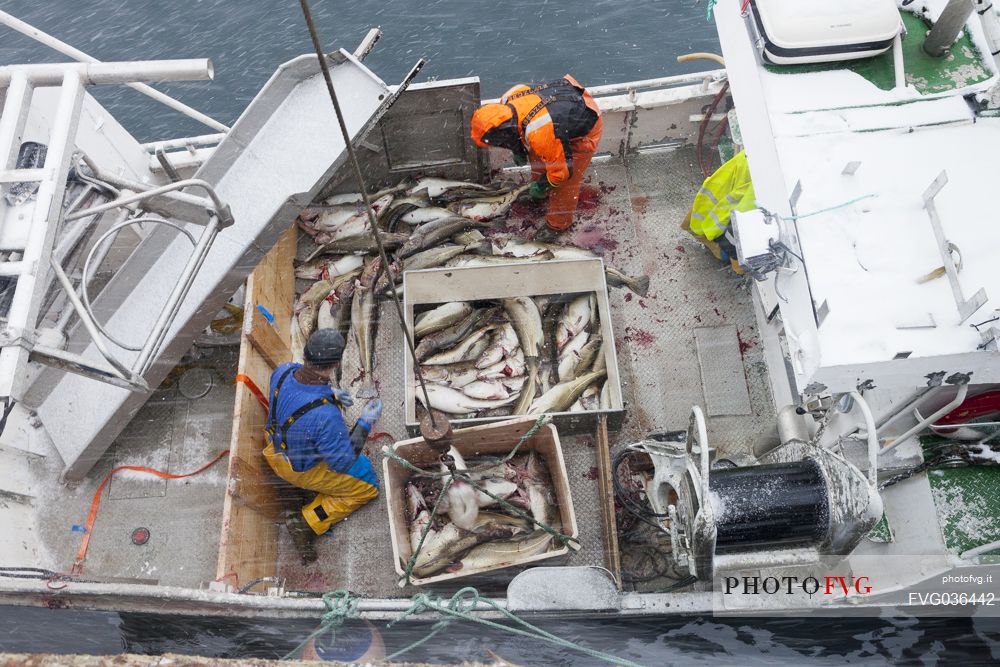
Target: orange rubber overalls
559	124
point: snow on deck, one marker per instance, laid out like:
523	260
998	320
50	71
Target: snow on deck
865	259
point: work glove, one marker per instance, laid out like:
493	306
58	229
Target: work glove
370	414
539	190
343	397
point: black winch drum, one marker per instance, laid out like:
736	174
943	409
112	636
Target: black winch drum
775	505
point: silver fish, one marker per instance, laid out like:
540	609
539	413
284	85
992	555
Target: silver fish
468	349
470	236
527	323
503	553
451	375
358	245
469	259
588	355
569	358
601	360
487	390
363	317
504	344
574	320
432	233
564	394
420	216
298	342
455	402
605	400
451	541
308	305
440	318
357	225
325	221
590	399
435	187
615	277
445	338
488	208
328	267
511	367
420	515
541	499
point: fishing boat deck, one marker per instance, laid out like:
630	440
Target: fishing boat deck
691	341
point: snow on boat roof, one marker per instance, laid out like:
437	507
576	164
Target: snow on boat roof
865	259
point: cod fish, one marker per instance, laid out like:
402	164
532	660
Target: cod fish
451	375
445	338
328	268
468	349
587	356
435	187
501	553
487	390
420	516
470	259
615	278
298	342
501	488
308	306
488	208
443	547
421	216
504	344
440	318
576	318
356	225
454	401
569	358
358	245
463	508
335	310
511	367
363	319
541	500
605	400
527	322
564	394
432	233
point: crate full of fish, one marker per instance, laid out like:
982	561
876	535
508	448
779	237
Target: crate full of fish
471	532
495	342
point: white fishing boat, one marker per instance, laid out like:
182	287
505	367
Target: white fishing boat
828	415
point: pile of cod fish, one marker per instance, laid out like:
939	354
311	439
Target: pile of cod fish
513	357
425	224
472	531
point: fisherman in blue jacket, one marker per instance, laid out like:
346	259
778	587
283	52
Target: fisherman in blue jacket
309	446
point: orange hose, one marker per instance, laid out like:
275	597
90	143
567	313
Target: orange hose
95	504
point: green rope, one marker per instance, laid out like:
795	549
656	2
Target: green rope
458	607
831	208
711	6
340	605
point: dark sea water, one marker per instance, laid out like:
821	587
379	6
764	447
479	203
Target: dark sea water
601	41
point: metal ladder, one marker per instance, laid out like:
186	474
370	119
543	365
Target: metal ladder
19	341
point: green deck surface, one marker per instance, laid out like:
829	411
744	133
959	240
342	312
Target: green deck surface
967	502
963	66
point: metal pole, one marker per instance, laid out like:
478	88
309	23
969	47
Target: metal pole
946	29
97	74
48	40
364	195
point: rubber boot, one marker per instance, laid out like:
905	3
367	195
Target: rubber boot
302	536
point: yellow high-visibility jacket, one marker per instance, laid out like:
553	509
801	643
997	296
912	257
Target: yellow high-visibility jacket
728	189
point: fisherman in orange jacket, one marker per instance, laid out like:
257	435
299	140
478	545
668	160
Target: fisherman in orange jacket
555	126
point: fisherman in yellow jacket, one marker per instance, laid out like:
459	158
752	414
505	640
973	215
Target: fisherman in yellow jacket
728	189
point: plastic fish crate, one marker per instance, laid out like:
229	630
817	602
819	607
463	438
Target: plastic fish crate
437	286
489	440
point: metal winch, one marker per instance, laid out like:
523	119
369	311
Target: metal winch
802	502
